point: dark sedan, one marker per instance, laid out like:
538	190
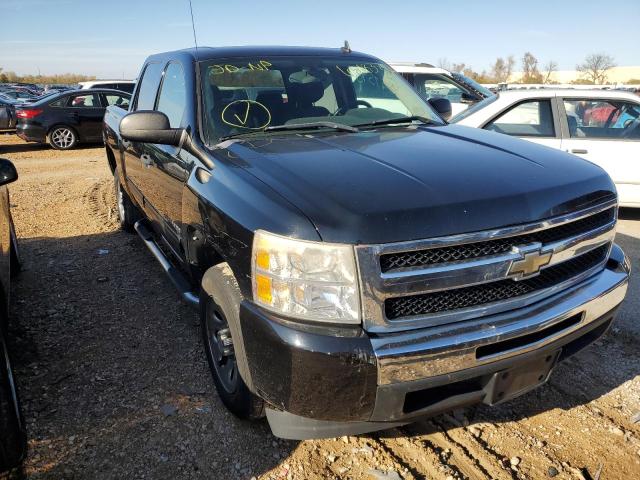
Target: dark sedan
7	113
68	118
12	429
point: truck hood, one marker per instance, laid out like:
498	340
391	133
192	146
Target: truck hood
405	183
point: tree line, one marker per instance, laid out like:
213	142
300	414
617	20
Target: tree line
60	79
593	70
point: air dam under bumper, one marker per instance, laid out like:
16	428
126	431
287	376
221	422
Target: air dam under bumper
323	383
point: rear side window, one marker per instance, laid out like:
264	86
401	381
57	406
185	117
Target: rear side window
61	102
149	87
118	100
527	119
84	101
125	87
603	118
173	95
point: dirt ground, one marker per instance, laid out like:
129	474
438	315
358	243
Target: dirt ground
114	380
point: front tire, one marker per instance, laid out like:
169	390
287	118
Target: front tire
63	137
128	214
216	307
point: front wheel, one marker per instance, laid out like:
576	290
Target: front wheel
128	214
216	308
63	138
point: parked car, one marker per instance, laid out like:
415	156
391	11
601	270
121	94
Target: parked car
7	113
122	85
68	118
433	82
19	95
355	267
602	126
13	438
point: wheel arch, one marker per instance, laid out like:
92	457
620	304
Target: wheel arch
207	283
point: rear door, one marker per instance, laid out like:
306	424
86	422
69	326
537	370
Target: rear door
85	113
607	133
533	119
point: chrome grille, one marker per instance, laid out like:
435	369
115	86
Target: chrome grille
448	279
492	247
492	292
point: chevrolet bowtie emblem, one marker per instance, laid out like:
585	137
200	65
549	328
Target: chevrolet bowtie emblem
533	259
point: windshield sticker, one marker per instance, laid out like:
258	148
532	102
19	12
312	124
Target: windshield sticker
261	65
359	69
247	114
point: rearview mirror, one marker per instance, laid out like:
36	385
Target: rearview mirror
442	106
149	126
8	172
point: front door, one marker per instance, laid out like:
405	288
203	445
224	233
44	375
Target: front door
607	133
137	161
170	166
534	120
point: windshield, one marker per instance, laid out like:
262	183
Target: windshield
248	95
484	91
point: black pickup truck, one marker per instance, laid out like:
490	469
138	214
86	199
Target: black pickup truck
357	262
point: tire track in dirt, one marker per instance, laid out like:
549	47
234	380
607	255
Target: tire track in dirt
101	200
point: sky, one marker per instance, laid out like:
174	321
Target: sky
111	39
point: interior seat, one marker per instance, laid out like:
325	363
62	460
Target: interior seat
303	95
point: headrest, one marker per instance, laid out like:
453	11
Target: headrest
306	93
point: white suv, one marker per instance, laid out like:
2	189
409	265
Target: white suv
432	81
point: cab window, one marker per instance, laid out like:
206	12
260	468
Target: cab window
527	119
149	87
173	95
603	119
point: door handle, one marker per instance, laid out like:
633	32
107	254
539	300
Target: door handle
580	151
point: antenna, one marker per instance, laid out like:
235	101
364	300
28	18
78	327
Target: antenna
193	26
345	49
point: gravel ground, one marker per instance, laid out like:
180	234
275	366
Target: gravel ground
115	384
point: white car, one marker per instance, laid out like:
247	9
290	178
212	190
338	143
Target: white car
602	126
122	85
432	81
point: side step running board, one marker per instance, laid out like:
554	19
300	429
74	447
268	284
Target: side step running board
176	277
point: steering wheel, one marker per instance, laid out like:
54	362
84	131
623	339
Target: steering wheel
631	129
341	111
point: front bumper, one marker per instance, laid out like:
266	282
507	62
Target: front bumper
320	383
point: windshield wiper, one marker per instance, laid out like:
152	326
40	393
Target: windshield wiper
293	126
303	126
388	121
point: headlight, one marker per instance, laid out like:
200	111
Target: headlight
307	280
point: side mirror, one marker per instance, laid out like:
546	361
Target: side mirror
467	98
8	172
148	126
442	106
